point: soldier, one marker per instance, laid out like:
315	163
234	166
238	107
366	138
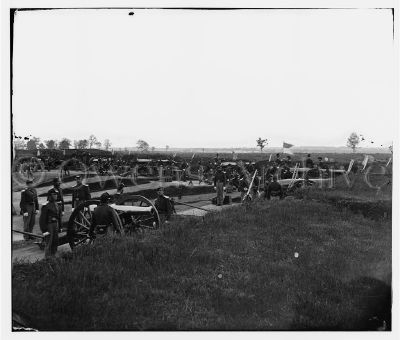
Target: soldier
274	189
288	161
219	185
103	217
243	187
278	160
201	173
60	197
120	191
164	205
29	205
255	188
309	162
80	193
50	222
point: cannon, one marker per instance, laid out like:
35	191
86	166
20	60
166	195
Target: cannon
133	213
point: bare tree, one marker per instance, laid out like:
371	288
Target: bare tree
166	148
142	145
33	143
261	143
83	144
353	141
65	143
92	141
50	144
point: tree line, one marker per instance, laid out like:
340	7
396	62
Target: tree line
35	143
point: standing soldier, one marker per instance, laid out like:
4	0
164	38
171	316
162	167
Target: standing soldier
58	191
50	222
309	162
255	188
164	205
29	207
219	185
80	193
201	173
242	188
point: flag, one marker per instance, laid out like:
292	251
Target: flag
286	147
270	157
193	156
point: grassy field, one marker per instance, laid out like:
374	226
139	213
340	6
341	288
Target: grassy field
281	265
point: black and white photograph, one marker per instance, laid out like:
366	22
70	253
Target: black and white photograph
200	166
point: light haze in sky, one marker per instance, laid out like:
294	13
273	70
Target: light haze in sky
205	78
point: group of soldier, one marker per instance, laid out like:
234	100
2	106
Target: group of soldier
224	177
50	220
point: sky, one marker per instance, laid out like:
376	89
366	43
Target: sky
205	78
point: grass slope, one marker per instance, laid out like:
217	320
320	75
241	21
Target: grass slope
232	270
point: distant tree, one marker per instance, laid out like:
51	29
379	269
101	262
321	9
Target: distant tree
142	145
152	149
50	144
107	144
42	146
33	143
83	144
19	144
261	143
98	144
76	144
65	143
353	141
92	141
166	148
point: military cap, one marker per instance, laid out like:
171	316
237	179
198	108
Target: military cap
105	197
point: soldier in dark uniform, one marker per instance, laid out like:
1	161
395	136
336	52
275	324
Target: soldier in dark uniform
274	189
278	160
50	222
120	192
103	217
219	185
80	193
59	194
309	162
164	205
256	187
29	205
288	161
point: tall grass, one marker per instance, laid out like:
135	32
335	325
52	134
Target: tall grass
233	270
